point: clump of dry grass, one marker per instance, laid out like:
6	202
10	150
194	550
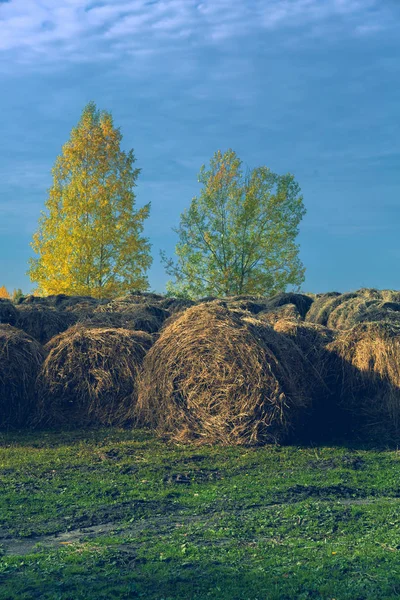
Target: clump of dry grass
8	312
322	307
369	356
287	312
141	317
43	323
90	376
360	310
212	377
174	305
20	360
303	302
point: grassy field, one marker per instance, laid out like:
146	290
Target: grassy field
117	514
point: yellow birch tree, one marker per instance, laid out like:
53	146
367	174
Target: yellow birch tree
4	292
89	241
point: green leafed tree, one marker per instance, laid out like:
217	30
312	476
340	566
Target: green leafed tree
239	235
89	240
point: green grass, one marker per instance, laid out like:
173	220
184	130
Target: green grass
117	514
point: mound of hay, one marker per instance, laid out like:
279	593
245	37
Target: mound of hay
8	312
140	297
369	294
327	419
121	321
211	377
369	355
43	323
90	376
301	301
287	311
64	302
174	305
253	306
140	317
31	299
390	296
358	310
323	306
20	360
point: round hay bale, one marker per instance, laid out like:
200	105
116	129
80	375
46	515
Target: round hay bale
322	307
8	312
369	356
43	323
287	311
90	376
359	310
138	316
211	377
301	301
20	360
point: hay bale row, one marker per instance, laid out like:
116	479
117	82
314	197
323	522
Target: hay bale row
215	374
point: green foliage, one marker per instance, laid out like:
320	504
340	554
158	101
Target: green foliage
90	240
238	236
17	294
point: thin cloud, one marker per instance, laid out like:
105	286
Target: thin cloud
78	30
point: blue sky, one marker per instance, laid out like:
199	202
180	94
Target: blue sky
310	87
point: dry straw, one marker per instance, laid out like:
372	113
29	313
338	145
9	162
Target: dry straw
302	302
322	307
8	312
212	377
20	360
369	355
43	323
140	317
359	310
90	376
287	312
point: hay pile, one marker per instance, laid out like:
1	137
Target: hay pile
327	419
174	305
211	377
20	360
140	317
358	310
369	355
287	312
322	307
31	299
8	312
302	302
90	376
43	323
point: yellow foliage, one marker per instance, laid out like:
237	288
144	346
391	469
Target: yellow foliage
89	241
4	292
